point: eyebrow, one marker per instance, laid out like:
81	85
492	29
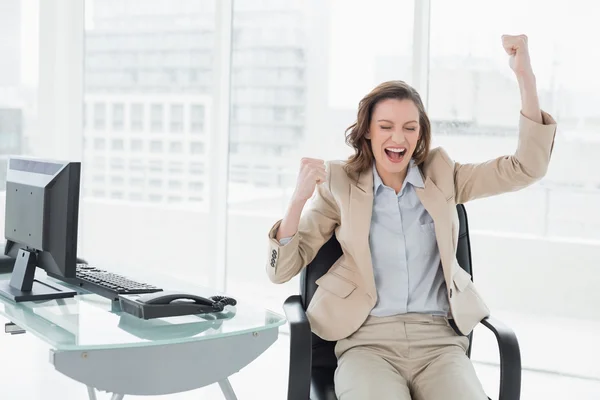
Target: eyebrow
387	120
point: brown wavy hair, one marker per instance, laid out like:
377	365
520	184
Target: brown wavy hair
363	157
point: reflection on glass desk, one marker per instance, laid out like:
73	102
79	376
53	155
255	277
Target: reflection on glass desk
90	321
95	326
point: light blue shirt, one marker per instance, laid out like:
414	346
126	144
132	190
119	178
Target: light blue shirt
404	252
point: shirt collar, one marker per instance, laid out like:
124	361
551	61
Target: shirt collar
413	176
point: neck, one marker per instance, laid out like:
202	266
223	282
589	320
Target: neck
395	180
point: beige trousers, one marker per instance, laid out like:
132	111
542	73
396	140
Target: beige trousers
406	357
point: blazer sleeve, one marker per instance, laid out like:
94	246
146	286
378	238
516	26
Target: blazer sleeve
508	173
317	224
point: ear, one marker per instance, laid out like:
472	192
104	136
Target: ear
368	135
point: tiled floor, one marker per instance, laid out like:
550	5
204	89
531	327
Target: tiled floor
25	357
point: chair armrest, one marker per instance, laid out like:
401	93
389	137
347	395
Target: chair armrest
300	349
510	359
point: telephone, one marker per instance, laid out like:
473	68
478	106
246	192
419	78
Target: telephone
171	303
7	264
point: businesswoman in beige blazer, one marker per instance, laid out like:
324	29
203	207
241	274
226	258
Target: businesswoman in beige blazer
390	298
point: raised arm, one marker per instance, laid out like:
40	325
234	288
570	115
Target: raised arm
517	48
537	130
295	240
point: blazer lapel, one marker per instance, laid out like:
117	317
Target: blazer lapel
360	211
434	201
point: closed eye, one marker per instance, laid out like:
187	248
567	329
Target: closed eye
411	129
385	127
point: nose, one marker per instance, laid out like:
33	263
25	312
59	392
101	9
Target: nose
398	136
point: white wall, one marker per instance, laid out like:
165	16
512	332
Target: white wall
546	277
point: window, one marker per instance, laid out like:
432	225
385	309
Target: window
136	196
176	123
155	183
117	180
117	144
176	147
99	144
175	184
197	169
156	146
156	166
143	63
474	104
137	182
117	164
197	148
137	166
197	118
137	117
196	186
176	168
278	114
156	118
99	162
155	198
235	113
85	115
266	107
99	116
137	145
118	117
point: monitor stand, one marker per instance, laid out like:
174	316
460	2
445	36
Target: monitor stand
24	287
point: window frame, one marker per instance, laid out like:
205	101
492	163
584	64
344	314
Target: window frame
63	33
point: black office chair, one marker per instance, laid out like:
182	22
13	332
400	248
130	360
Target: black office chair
312	359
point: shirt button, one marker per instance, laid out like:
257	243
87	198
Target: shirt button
450	292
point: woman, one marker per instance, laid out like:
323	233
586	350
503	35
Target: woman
392	298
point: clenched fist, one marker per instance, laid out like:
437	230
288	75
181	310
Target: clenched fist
518	50
312	173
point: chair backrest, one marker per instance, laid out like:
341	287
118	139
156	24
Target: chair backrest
323	354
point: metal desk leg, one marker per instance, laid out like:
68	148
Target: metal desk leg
92	393
227	390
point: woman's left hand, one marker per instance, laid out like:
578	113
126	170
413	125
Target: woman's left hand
518	50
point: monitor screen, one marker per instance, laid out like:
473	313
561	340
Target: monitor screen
41	220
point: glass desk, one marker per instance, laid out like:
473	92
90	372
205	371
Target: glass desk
92	341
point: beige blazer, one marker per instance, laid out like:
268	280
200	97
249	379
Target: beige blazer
346	294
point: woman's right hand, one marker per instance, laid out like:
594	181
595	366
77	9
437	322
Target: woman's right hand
312	173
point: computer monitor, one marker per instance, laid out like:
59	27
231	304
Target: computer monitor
41	221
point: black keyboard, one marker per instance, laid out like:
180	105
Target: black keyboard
109	284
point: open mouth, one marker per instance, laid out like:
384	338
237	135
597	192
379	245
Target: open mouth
395	154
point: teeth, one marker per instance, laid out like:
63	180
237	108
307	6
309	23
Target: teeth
397	150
